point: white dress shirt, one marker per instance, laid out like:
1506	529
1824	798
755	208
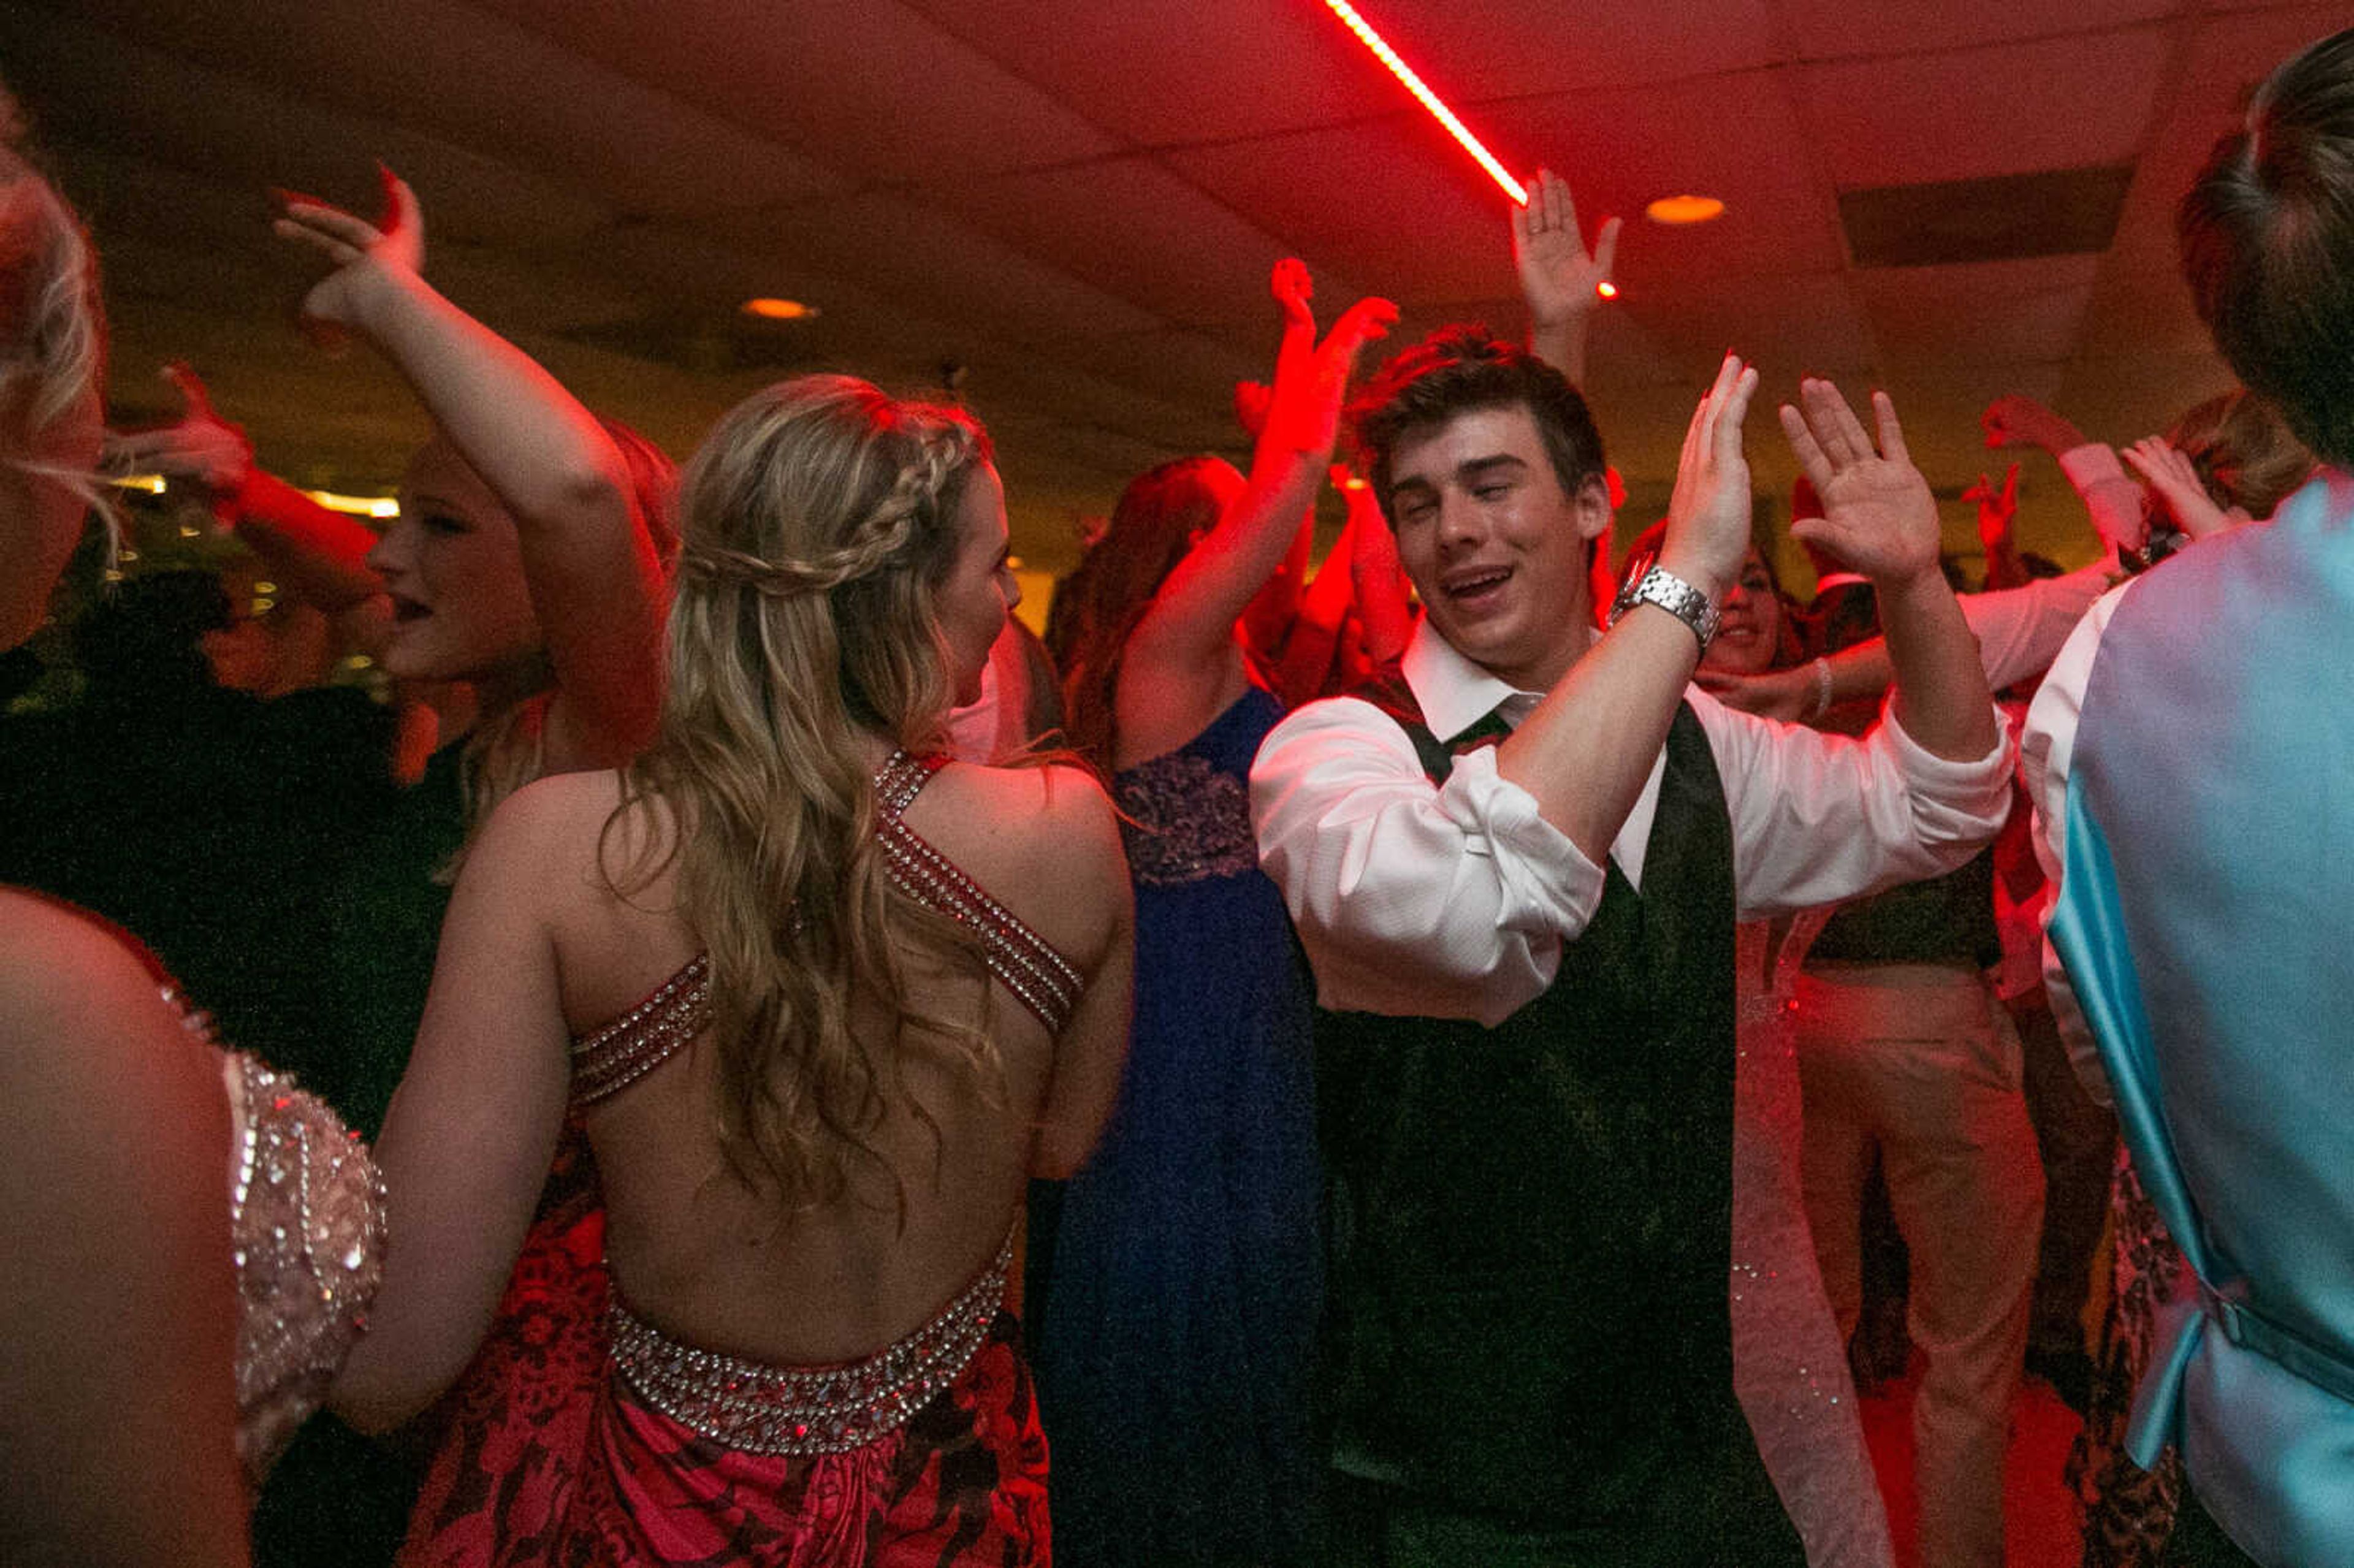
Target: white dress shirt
2047	749
1454	901
2020	629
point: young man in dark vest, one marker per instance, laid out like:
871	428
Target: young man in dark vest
1516	870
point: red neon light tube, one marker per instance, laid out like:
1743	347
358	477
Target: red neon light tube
1373	40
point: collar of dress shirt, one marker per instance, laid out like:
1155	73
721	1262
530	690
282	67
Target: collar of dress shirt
1453	690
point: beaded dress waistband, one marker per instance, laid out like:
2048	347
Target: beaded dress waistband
762	1409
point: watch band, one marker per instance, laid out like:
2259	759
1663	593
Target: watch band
1669	592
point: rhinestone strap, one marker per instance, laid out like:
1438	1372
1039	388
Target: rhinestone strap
760	1409
619	1055
1047	983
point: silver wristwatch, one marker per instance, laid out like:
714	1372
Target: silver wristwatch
1676	596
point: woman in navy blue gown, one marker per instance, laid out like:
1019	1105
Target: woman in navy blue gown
1177	1306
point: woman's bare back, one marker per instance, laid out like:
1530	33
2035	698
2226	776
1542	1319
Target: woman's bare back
728	1266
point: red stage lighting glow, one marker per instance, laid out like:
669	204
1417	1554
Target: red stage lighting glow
1429	99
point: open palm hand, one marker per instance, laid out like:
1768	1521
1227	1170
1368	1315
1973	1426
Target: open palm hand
1879	518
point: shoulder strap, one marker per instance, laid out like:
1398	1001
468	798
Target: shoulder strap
630	1046
1043	980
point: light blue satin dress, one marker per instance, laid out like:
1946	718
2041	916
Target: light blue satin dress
2207	921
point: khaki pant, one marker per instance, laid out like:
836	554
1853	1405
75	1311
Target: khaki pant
1908	1060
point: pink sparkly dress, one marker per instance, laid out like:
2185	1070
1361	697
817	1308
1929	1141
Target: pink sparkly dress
584	1434
306	1234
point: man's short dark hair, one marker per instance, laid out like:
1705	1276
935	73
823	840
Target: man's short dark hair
2267	238
1460	368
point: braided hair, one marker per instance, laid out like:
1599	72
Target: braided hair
817	522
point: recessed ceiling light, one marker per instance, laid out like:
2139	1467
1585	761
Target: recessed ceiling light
779	310
1685	208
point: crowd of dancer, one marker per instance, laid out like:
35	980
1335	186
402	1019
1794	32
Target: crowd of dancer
1413	1040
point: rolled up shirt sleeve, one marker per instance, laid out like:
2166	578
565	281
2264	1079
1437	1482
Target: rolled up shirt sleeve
1412	899
1818	818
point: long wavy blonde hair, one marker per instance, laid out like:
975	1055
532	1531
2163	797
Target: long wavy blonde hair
818	519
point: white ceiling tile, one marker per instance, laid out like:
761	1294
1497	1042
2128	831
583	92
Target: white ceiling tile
1390	204
88	87
898	244
1138	229
2013	109
1733	137
1984	312
1840	29
868	86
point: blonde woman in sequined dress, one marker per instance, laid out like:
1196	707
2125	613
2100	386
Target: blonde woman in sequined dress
823	1002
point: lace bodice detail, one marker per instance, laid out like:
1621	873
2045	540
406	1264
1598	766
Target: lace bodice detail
630	1046
1186	820
306	1234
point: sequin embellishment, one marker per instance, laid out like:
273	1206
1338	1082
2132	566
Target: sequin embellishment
760	1409
622	1052
306	1232
1188	821
630	1046
1047	983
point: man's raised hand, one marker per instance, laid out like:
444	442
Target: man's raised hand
1708	516
1879	517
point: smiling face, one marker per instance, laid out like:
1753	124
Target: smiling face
1750	632
980	590
1495	548
453	567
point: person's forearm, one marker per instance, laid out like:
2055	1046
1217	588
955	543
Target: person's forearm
1198	603
1560	343
320	557
1587	749
539	450
1381	589
2004	569
1268	618
2114	500
1942	699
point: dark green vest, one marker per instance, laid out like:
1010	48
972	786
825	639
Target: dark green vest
1532	1225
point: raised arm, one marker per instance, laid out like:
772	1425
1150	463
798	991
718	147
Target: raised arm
1560	279
1997	517
2172	475
1174	666
1195	612
1384	607
1879	519
1267	620
596	580
2113	501
473	1130
320	557
1586	750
